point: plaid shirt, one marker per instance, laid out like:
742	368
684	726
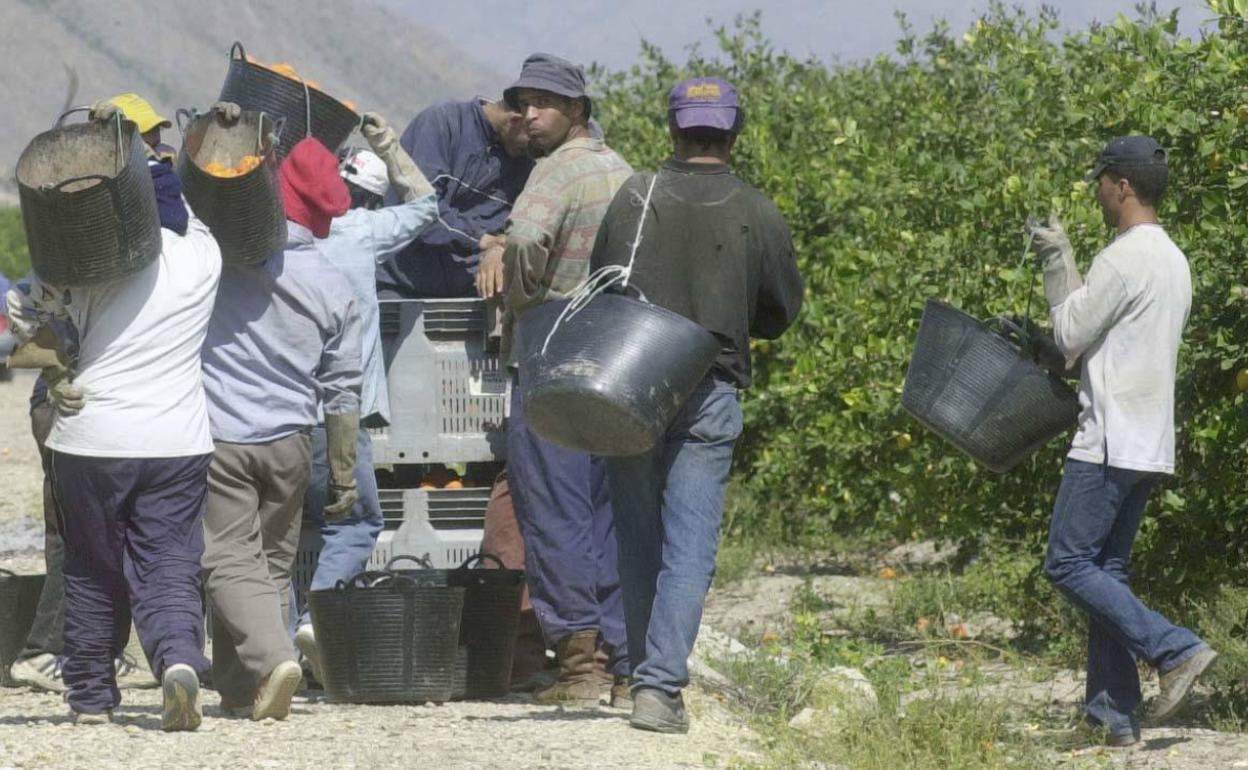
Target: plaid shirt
554	223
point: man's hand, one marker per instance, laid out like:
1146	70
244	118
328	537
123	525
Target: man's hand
378	133
227	112
491	278
104	110
66	397
490	240
1050	242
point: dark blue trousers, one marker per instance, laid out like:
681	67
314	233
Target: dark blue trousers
134	537
571	558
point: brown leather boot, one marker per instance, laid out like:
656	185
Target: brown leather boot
577	684
621	693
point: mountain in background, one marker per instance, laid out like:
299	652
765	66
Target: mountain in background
174	52
500	33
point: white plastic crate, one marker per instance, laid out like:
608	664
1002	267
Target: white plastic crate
447	389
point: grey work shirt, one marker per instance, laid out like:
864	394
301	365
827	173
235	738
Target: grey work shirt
284	336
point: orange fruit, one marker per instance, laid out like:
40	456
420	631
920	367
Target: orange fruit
454	484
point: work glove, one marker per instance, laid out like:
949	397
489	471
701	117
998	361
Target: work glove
104	110
341	434
67	397
405	177
43	352
227	112
1056	257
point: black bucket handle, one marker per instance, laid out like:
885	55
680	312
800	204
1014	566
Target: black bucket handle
477	559
85	177
423	561
7	572
61	118
190	116
238	46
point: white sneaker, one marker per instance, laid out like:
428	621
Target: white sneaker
42	672
80	718
182	710
273	697
132	675
305	640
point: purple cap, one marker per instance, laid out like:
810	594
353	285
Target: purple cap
705	102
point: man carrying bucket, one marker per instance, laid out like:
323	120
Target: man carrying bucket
129	454
284	343
358	242
560	495
717	251
1125	323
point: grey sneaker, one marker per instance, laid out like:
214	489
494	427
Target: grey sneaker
82	718
276	690
42	672
656	711
1177	683
132	675
305	640
182	710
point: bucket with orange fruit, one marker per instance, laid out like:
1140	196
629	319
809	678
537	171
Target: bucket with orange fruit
229	177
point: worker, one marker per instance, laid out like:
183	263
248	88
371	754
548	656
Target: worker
560	495
1122	325
283	348
475	154
129	453
360	240
718	252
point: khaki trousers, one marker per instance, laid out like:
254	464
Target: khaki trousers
251	533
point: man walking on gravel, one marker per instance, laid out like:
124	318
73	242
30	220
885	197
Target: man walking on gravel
560	495
1124	323
712	248
130	448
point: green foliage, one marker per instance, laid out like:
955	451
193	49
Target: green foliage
909	177
14	258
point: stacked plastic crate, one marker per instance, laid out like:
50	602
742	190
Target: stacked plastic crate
447	406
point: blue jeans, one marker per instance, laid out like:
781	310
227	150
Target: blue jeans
1095	520
669	503
570	552
345	545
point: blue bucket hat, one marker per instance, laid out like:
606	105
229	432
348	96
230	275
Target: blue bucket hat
547	72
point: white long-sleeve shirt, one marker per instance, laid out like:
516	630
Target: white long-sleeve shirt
1126	321
139	339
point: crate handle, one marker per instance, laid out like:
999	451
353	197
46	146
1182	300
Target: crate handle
477	559
422	561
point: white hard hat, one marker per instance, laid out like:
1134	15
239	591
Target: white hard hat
364	169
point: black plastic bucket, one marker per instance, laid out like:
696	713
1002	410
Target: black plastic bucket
19	598
974	386
613	375
386	638
88	203
245	212
488	625
308	111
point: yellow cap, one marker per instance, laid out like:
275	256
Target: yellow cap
140	112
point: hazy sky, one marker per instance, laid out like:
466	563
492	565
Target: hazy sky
500	33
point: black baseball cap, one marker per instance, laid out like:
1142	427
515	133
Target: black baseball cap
1128	151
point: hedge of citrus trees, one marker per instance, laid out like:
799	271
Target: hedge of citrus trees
910	176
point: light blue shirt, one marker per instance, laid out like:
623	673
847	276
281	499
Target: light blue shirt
284	340
358	242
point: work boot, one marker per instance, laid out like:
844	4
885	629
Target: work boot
305	640
658	712
1177	683
620	694
133	675
181	709
97	718
577	684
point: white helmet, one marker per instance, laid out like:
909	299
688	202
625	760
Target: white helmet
364	169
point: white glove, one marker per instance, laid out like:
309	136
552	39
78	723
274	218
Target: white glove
67	397
405	177
378	133
1056	257
227	112
104	110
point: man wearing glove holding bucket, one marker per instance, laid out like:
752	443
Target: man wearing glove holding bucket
1125	321
706	245
284	343
359	241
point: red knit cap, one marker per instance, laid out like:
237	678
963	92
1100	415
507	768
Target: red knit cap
312	189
